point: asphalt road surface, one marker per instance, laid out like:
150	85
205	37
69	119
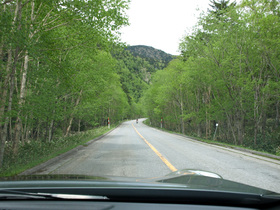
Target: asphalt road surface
136	150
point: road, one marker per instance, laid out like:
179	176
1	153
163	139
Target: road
136	150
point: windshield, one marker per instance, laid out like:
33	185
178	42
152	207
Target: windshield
144	89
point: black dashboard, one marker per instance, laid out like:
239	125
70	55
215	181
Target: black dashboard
111	205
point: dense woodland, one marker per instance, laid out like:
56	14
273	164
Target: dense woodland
57	74
64	71
157	58
228	75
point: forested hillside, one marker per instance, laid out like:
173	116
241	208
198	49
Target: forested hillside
135	70
158	58
226	84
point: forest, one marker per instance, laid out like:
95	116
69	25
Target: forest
225	85
57	74
64	71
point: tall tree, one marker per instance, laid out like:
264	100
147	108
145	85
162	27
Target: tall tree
36	79
230	73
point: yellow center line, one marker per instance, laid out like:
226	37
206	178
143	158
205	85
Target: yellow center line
169	165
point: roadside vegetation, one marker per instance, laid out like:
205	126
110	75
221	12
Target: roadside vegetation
221	143
64	74
57	74
36	152
226	84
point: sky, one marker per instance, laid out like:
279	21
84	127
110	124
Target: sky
161	23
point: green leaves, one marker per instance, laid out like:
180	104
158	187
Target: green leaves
229	73
56	53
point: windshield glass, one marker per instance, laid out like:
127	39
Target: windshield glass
145	89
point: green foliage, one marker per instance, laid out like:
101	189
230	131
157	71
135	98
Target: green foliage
228	74
57	75
35	152
156	58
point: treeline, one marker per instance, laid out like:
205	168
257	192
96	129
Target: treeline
227	79
135	69
156	58
57	74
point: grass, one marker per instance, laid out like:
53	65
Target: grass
36	152
214	141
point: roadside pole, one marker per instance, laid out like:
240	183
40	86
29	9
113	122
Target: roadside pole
161	123
108	123
215	130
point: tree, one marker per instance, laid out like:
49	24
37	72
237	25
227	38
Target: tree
218	7
228	74
36	45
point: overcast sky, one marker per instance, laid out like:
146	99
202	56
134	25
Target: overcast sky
161	23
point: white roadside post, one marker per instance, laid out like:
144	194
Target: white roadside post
108	123
215	130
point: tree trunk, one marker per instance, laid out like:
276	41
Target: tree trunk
199	130
10	68
264	119
26	131
239	125
206	127
69	126
71	116
182	110
51	130
256	115
79	126
10	101
46	131
231	128
38	132
5	88
277	114
18	125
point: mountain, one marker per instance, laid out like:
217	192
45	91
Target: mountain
135	66
158	58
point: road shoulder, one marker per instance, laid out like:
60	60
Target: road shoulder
65	155
249	151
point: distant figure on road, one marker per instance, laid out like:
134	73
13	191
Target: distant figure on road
136	120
